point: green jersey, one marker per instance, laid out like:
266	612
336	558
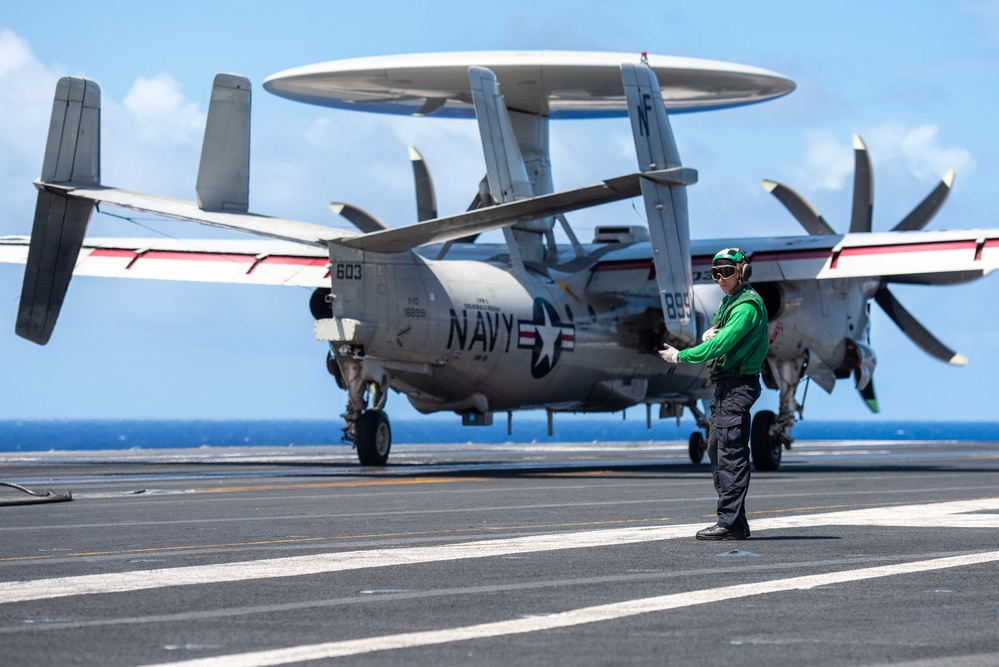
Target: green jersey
740	346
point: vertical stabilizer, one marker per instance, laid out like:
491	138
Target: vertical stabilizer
506	171
665	199
73	148
72	157
224	173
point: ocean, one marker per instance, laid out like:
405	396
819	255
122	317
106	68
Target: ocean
70	435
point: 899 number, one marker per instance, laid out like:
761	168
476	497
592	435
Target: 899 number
677	306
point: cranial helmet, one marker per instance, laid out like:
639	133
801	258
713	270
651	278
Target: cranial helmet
737	258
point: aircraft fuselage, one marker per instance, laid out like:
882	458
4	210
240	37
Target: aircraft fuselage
472	335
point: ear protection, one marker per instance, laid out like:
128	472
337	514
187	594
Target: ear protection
742	264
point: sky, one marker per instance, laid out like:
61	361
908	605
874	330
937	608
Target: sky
917	79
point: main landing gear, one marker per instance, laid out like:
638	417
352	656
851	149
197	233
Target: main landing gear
698	442
374	438
365	422
764	444
770	433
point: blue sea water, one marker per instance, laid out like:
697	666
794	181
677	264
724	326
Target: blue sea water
33	436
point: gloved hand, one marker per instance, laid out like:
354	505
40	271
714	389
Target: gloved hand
710	333
670	354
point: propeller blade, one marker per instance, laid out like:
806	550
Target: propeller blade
867	393
927	208
426	201
361	219
916	332
802	211
863	188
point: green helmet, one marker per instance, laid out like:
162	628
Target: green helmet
734	255
738	258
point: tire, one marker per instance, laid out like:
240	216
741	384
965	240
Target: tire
696	446
374	438
766	448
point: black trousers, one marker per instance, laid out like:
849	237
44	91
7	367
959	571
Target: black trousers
728	446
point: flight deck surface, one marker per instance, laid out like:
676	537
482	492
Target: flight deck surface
862	553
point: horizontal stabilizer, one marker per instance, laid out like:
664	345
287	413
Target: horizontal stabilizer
484	219
224	173
179	209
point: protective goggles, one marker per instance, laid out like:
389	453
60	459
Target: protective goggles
723	272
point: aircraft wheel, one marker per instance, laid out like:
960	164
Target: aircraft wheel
696	446
764	445
374	438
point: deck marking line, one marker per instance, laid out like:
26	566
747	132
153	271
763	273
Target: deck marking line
606	612
946	514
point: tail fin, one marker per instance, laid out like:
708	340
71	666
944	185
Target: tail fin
224	172
72	157
665	198
506	171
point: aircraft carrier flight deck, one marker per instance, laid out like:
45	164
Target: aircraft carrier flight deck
874	553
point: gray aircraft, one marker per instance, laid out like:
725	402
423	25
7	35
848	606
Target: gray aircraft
479	328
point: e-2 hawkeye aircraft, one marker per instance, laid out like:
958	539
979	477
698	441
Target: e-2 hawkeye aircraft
478	328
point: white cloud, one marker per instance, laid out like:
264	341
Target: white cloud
161	113
828	163
26	88
150	140
915	151
14	52
918	150
320	132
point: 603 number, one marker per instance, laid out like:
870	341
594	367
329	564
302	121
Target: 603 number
348	272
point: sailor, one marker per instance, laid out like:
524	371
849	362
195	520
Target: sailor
734	348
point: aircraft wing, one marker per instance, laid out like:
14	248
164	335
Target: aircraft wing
916	257
250	262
